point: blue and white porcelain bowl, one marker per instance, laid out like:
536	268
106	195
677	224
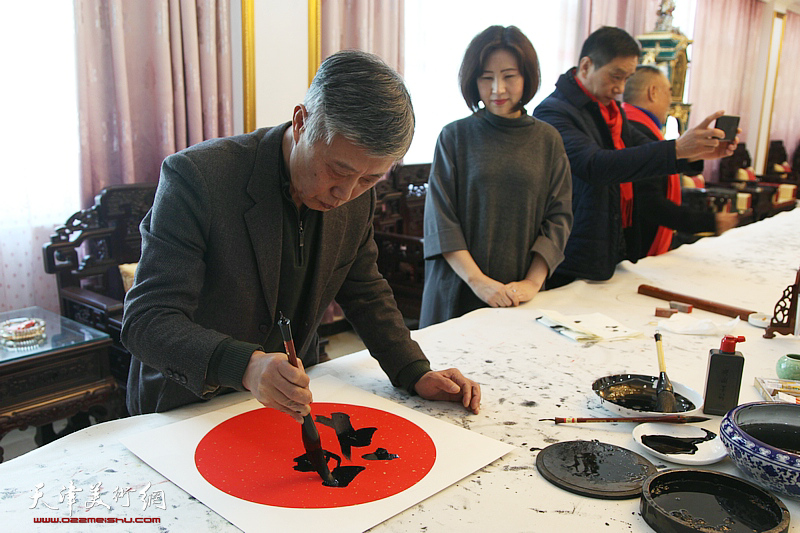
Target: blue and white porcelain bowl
763	440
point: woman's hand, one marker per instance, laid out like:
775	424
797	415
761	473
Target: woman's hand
494	293
524	290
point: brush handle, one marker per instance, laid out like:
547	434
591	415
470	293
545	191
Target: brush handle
311	440
662	366
671	419
705	305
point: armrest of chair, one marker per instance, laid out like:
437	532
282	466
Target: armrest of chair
401	261
109	306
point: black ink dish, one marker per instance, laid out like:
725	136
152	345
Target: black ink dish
635	395
680	443
673	445
683	501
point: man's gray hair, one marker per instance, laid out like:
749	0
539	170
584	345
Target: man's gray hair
358	96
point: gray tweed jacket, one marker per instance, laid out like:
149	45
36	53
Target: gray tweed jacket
210	270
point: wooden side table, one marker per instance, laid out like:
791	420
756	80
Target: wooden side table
55	377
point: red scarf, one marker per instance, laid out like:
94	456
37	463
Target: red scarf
663	238
613	119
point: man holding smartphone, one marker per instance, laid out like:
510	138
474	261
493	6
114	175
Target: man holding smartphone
657	202
606	154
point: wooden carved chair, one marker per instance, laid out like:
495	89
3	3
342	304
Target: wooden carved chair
398	234
767	196
796	164
85	255
778	168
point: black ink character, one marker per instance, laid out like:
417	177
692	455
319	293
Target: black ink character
381	454
342	474
347	435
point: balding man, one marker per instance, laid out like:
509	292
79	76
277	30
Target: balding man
606	154
657	212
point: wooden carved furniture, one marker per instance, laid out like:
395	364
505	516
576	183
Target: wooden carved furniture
55	376
768	197
785	320
666	48
398	233
777	161
796	163
85	254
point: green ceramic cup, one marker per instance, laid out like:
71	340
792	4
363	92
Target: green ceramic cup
788	366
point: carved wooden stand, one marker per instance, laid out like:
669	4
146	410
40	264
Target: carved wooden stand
784	320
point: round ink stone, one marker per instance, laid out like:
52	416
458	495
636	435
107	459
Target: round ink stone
594	469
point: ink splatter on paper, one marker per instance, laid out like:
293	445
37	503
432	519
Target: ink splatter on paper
258	456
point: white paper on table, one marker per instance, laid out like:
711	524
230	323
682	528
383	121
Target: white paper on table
683	324
459	452
590	327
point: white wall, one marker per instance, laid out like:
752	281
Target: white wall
281	57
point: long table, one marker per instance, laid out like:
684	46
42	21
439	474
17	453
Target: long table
527	372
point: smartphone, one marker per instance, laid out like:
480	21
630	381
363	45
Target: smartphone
729	124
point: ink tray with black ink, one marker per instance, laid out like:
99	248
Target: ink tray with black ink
635	395
685	444
684	500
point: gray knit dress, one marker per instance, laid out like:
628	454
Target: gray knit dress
501	189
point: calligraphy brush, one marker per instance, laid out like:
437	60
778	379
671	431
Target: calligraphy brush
671	419
311	440
665	397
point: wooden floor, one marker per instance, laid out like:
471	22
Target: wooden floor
18	442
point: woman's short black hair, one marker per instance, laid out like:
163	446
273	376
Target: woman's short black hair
482	46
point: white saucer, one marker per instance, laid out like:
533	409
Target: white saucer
759	320
708	452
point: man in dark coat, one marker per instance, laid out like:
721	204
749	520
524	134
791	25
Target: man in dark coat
273	222
606	154
657	202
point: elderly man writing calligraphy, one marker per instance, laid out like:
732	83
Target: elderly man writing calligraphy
277	220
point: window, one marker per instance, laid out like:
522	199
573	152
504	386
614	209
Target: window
437	34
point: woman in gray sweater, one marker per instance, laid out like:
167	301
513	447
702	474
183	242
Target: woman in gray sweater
498	209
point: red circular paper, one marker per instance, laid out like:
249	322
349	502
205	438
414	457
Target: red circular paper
251	456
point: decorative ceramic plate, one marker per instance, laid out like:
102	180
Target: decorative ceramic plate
21	332
680	443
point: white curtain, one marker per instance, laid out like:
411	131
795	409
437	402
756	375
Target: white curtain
40	180
785	125
437	34
634	16
726	45
374	26
154	77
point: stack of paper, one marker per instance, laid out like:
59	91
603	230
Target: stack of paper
592	327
